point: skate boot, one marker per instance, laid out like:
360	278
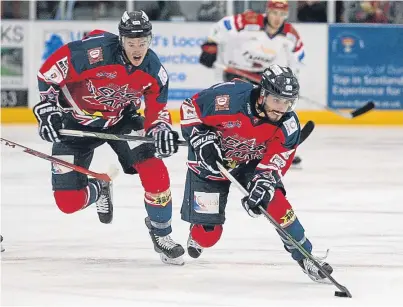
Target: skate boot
104	203
194	249
296	163
170	252
313	272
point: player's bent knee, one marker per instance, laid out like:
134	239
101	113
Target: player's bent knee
206	236
70	201
153	175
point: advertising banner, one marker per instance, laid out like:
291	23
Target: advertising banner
178	46
365	64
14	64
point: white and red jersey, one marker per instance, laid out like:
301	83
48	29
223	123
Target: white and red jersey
243	43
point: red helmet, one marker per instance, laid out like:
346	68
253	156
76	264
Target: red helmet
277	5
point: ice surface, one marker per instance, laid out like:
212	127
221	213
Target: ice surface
349	198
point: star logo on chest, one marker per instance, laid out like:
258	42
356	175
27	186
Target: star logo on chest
50	95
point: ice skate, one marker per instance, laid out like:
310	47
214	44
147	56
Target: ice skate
170	252
104	203
194	249
313	272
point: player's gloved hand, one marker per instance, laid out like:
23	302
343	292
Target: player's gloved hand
165	140
209	54
261	191
207	151
49	118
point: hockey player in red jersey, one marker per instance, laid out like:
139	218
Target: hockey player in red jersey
248	43
254	132
96	84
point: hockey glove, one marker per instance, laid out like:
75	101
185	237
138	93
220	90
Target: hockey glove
261	191
50	121
209	54
207	151
165	140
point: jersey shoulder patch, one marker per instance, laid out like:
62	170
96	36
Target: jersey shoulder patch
155	68
94	51
290	125
291	129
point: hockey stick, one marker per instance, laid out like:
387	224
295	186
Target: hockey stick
305	132
112	137
296	244
256	79
349	115
106	177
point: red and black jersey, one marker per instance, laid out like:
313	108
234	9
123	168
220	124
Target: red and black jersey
228	109
92	81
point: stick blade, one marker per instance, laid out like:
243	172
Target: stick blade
364	109
306	131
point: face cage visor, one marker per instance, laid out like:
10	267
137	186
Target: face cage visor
291	102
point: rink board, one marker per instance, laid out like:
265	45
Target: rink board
24	115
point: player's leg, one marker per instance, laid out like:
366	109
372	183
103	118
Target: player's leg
203	207
282	212
73	191
139	158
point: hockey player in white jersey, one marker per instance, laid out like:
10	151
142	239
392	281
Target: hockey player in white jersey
252	41
245	44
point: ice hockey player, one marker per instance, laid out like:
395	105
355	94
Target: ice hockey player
251	42
96	84
254	132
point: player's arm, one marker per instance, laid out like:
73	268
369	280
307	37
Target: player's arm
274	165
158	123
52	77
297	49
222	29
200	136
218	33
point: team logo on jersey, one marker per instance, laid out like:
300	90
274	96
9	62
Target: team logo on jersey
50	95
278	161
222	103
290	125
232	124
112	96
105	74
163	76
288	218
95	55
53	75
241	148
63	65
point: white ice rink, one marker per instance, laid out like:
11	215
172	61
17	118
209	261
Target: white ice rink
349	198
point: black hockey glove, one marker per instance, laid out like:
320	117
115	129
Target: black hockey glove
50	121
207	151
209	54
165	140
261	192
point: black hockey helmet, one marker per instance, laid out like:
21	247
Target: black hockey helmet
135	24
280	82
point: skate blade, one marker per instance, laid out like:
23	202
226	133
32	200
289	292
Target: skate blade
172	261
319	281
